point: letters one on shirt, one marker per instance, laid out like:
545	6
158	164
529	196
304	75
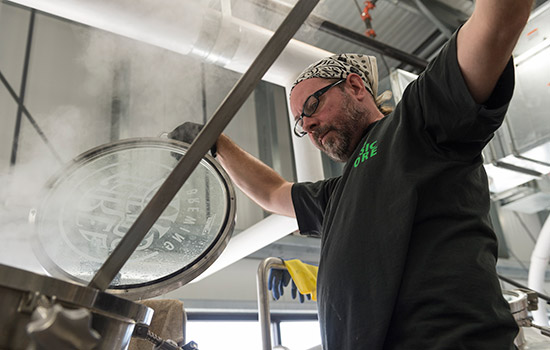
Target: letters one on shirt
368	150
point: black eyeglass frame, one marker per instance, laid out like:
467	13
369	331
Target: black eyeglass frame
316	96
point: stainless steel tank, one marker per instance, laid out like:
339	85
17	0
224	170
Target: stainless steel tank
22	292
528	338
87	208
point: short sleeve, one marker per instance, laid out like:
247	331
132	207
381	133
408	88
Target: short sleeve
450	116
310	200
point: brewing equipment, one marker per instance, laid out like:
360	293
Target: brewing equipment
86	208
530	336
91	204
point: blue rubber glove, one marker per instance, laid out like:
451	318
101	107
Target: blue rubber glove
277	281
296	293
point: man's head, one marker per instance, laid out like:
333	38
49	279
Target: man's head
333	102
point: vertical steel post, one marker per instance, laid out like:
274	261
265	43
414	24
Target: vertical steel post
263	298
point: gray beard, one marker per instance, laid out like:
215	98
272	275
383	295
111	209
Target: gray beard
339	147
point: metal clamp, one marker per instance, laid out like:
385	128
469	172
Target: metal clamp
61	328
30	301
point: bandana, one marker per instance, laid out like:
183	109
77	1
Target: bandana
342	65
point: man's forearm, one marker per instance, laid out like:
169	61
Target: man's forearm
258	181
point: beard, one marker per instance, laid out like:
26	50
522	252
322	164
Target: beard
338	145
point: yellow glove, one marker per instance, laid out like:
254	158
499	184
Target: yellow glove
304	276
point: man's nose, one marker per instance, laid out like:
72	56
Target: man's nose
309	124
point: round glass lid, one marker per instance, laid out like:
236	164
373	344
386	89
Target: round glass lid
91	204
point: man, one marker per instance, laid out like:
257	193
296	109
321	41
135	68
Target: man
408	254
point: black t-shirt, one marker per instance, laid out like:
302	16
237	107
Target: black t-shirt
408	254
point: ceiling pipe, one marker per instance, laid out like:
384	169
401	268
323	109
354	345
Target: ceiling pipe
186	28
537	271
351	36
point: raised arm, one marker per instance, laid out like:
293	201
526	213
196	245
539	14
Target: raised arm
486	41
258	181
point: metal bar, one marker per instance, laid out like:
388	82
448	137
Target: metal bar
120	98
362	40
519	285
351	36
517	168
536	161
204	141
263	298
30	118
21	100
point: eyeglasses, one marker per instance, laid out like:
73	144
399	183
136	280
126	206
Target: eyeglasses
310	106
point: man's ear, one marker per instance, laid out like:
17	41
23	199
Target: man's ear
357	86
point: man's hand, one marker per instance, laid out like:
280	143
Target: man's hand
187	132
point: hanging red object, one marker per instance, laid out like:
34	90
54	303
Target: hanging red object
369	5
370	33
366	17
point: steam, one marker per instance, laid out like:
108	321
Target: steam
262	17
88	87
73	99
157	89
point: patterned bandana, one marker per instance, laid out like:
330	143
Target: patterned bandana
340	66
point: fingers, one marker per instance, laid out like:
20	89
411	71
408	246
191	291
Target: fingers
277	280
295	292
275	283
270	280
286	278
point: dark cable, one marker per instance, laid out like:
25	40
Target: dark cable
30	118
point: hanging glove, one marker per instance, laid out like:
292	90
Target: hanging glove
277	281
296	293
303	277
187	132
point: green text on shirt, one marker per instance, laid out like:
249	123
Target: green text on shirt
368	150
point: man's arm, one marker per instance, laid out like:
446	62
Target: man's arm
486	41
258	181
